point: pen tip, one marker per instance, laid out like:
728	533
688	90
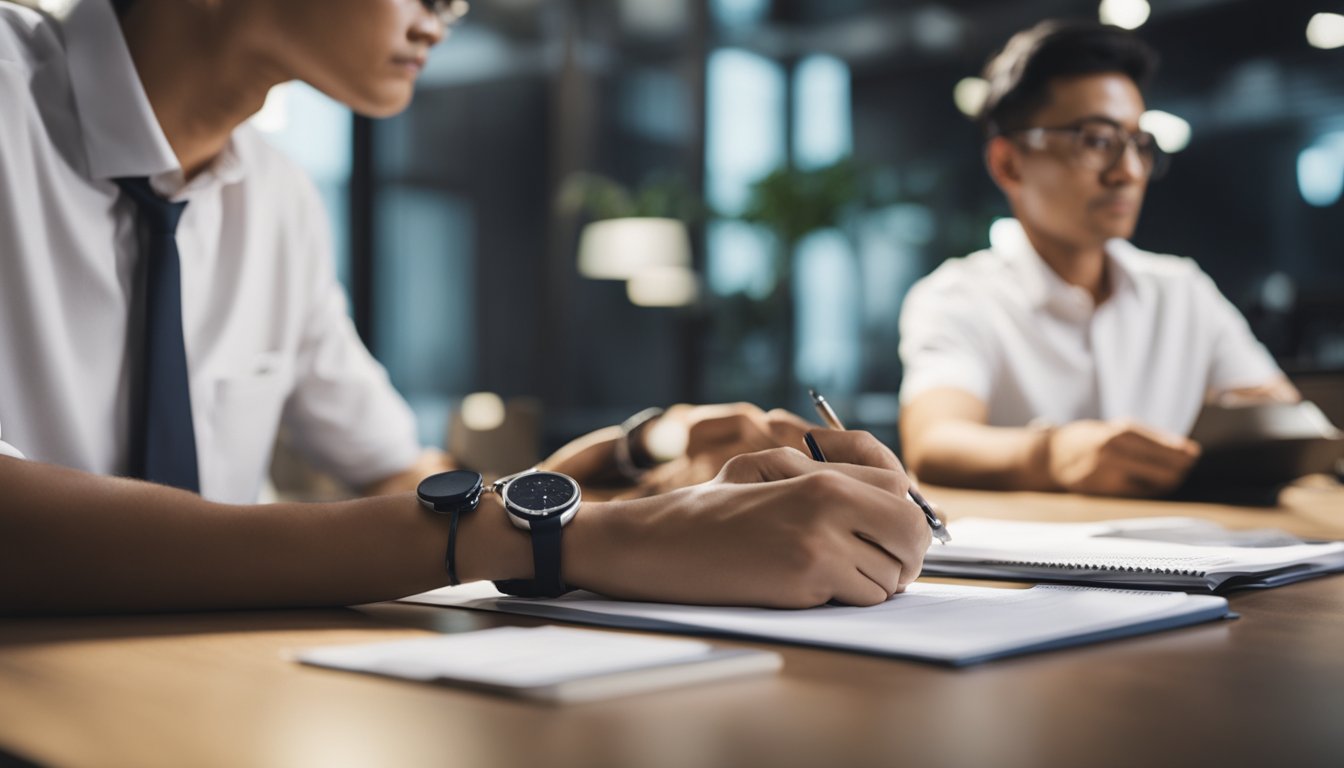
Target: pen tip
812	393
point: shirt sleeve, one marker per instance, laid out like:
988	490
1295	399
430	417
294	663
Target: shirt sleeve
6	97
1238	359
343	413
6	449
942	343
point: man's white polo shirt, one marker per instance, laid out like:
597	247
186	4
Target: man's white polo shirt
1003	326
264	318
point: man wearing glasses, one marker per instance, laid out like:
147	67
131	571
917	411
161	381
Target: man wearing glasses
1064	358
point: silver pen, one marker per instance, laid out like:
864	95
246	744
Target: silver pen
828	415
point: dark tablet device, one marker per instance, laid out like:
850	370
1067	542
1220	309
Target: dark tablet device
1266	445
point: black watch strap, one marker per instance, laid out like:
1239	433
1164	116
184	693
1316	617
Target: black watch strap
547	580
452	493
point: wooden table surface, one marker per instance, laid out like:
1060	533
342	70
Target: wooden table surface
219	689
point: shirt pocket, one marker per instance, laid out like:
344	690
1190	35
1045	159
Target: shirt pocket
242	422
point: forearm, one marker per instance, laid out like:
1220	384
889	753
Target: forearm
964	453
1277	390
430	461
75	542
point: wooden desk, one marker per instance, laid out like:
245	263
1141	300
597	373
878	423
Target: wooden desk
217	689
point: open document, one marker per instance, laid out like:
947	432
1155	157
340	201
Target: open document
1156	552
955	625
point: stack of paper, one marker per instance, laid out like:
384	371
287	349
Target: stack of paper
547	663
1158	552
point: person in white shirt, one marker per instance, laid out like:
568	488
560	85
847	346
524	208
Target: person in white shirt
132	193
1064	358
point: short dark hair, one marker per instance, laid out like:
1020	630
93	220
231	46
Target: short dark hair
1019	76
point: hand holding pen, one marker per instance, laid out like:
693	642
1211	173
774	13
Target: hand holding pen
828	416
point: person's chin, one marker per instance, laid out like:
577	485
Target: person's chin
1110	227
384	102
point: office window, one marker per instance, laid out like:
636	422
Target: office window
315	132
828	283
822	129
744	141
738	13
425	299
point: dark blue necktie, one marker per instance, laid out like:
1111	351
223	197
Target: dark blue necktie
163	441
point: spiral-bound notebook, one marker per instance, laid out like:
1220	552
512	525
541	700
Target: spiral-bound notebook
1157	552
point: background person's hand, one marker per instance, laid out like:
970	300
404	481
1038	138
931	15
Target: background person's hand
774	528
1118	458
687	444
694	442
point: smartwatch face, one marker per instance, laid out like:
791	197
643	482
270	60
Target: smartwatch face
445	486
541	494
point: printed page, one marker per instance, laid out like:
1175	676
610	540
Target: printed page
933	621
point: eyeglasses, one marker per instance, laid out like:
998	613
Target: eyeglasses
1097	145
449	11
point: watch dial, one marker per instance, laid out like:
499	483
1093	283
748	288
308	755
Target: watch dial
449	485
540	491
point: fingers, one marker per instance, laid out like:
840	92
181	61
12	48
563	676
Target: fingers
784	463
1155	447
855	447
883	535
765	466
746	422
1156	478
897	531
1126	477
744	431
876	576
788	428
866	539
828	532
859	589
1150	462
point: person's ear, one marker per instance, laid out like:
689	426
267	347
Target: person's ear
1003	161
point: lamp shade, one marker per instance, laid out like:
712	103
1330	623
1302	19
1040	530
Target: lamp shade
663	287
619	249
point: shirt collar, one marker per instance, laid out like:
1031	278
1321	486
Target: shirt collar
1041	286
121	135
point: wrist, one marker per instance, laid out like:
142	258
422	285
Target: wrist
1041	457
596	545
489	547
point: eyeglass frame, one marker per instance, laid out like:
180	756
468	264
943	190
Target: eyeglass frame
448	12
1161	160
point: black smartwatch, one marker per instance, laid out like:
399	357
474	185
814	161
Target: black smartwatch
541	503
451	493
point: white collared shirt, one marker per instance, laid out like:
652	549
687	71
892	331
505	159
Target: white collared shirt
1004	327
268	339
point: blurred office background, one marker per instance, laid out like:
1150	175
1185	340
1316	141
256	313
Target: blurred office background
464	268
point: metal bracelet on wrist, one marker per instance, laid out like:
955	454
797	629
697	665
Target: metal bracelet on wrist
622	453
